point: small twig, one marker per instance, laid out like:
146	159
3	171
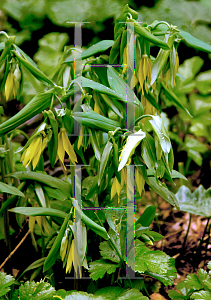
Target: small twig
8	257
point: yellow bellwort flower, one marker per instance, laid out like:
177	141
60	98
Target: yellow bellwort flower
64	145
144	72
33	152
10	86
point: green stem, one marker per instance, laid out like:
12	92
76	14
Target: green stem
185	239
199	247
141	117
112	244
72	168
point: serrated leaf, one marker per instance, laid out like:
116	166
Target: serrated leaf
110	293
201	295
133	294
108	253
35	291
157	262
5	282
132	142
198	202
98	268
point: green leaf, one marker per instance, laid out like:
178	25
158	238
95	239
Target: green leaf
172	97
193	144
110	292
203	82
205	279
177	296
93	120
202	295
39	211
36	264
121	88
132	142
194	42
87	83
133	294
198	202
40	102
35	291
5	282
148	216
35	71
158	262
53	253
45	179
163	191
96	48
160	130
82	296
99	268
6	188
104	160
108	253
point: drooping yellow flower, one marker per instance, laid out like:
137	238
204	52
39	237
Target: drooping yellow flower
139	180
65	145
10	86
73	259
33	152
116	188
144	72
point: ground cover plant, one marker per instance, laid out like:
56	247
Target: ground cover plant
75	181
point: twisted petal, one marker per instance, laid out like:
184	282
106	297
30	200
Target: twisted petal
9	85
31	151
68	147
36	158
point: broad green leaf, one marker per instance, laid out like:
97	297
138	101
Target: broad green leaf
95	143
198	202
96	48
195	156
203	82
193	144
56	194
110	292
205	279
194	42
133	294
38	211
148	152
148	216
176	296
174	174
193	280
163	191
120	87
35	291
188	70
5	282
132	142
40	102
93	120
6	188
82	296
99	268
45	179
201	295
87	83
112	103
112	216
104	160
158	262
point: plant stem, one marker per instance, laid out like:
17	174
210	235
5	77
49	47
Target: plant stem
185	239
200	243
